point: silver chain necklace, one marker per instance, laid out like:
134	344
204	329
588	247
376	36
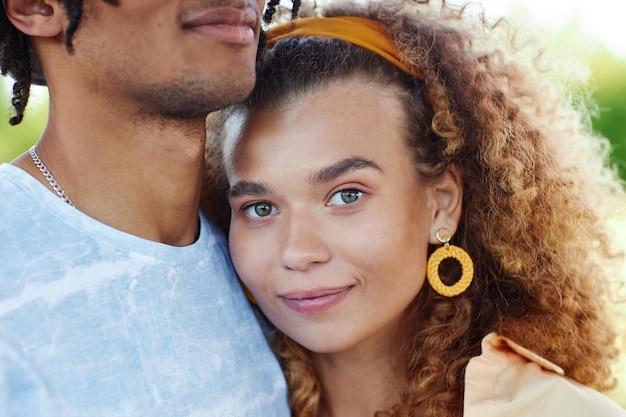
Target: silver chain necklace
44	170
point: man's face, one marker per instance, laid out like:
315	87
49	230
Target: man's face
175	58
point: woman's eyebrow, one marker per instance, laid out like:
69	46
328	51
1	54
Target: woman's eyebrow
339	168
322	176
248	188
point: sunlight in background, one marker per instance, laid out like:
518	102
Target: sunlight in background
597	22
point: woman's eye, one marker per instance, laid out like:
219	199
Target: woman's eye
344	197
261	209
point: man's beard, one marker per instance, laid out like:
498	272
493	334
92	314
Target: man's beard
184	99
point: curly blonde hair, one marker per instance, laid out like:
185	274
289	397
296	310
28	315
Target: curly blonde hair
537	193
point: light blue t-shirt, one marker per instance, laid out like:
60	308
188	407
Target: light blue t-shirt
95	322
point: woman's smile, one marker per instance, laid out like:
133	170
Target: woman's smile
315	301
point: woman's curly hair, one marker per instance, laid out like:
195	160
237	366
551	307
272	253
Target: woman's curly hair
537	193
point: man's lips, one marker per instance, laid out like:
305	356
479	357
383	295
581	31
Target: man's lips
314	301
226	24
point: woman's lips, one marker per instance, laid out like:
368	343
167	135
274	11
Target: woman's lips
227	24
315	301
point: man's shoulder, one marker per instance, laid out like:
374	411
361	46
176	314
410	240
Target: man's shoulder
9	171
16	188
16	207
8	174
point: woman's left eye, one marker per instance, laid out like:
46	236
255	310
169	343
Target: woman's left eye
343	197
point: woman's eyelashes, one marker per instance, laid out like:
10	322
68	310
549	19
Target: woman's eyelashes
259	209
262	209
345	196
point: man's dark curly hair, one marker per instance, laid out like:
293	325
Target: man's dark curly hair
18	60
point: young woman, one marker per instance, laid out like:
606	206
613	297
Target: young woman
423	220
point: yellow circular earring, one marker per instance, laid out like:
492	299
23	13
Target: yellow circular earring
444	252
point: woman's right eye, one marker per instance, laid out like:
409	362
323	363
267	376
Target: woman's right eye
260	209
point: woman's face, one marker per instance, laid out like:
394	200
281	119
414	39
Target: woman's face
330	226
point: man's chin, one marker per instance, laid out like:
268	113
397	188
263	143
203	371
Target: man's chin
191	100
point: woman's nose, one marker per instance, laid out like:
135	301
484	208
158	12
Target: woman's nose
303	244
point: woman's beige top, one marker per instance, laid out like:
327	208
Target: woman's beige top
507	380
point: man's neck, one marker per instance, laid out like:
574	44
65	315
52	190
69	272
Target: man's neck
138	178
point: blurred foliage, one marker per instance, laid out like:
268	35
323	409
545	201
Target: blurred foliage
610	121
16	139
607	83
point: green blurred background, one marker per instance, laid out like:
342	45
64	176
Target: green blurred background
607	85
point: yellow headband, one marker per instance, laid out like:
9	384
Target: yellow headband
359	31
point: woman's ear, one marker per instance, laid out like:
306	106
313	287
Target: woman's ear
448	199
37	18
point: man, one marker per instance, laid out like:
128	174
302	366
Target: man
117	299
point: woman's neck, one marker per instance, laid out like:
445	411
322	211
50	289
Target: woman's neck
356	383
